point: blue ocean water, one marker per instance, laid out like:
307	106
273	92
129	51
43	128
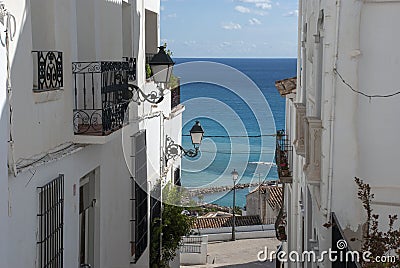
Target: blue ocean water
233	121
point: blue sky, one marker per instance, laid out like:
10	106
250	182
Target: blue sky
230	28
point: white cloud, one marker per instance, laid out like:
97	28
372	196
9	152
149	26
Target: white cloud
291	13
232	26
255	1
162	8
242	9
264	5
260	4
260	12
172	16
190	43
225	44
254	21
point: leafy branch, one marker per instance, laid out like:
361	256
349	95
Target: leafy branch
173	226
377	242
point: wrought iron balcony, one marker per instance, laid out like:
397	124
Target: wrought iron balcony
176	95
48	73
283	157
101	96
132	68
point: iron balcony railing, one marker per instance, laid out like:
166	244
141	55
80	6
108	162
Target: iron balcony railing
283	157
48	72
132	68
102	96
176	95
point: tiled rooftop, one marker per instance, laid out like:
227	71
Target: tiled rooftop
275	195
219	222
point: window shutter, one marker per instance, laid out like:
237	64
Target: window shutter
139	227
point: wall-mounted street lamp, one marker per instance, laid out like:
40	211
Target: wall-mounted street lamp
174	150
161	66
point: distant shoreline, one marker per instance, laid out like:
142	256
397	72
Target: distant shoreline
219	189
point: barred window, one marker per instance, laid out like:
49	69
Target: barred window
51	223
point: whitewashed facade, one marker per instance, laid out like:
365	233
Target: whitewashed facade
94	207
339	134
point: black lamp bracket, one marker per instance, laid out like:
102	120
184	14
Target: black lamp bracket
173	150
138	96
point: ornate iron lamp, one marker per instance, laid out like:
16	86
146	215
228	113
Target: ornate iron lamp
161	66
174	150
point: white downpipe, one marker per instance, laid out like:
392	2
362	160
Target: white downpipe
333	112
10	24
162	147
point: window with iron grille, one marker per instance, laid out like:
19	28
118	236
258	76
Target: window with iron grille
139	227
48	70
51	223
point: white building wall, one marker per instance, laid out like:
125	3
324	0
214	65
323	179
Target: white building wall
112	206
83	31
153	6
49	123
358	134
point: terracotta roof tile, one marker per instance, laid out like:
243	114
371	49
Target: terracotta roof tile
275	197
219	222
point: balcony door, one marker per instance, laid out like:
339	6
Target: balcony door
87	203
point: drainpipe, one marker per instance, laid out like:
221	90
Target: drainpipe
333	112
10	30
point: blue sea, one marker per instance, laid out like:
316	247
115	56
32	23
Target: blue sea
239	108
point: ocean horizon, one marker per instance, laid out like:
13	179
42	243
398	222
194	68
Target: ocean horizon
239	123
